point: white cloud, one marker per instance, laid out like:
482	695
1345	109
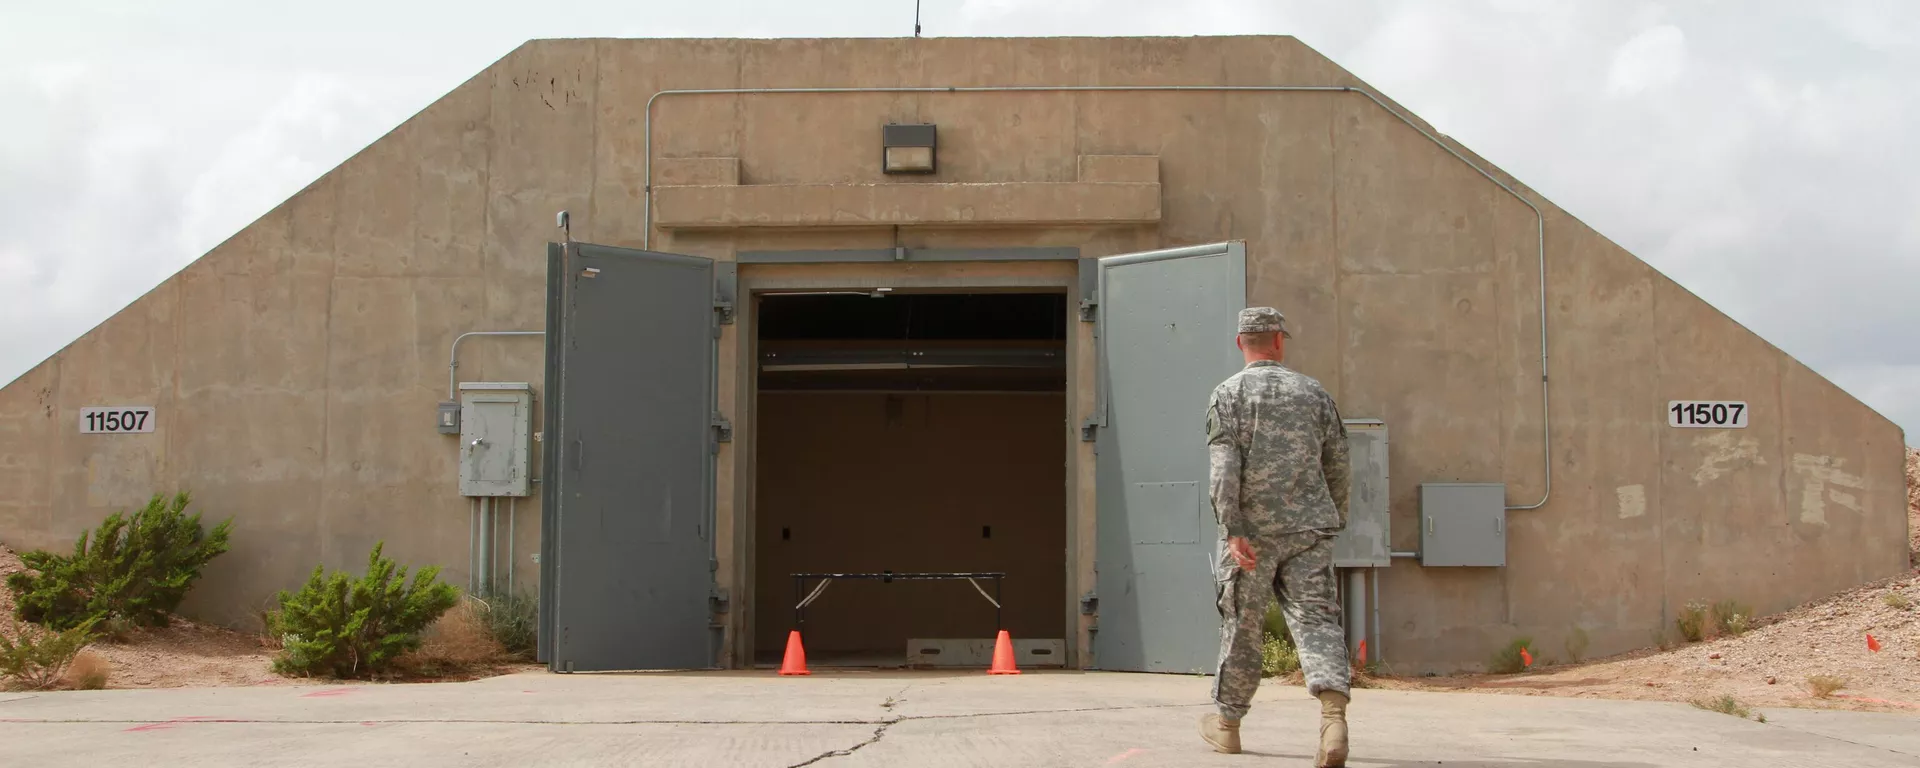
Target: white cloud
1652	59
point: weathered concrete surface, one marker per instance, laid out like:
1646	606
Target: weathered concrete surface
296	366
931	719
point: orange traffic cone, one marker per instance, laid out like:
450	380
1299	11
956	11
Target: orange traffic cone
796	661
1003	656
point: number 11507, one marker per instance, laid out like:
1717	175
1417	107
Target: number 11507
116	420
1711	414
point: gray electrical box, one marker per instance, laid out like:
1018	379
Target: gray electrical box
1463	524
449	418
495	438
1367	541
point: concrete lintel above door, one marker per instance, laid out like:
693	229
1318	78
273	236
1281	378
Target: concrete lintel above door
881	255
1002	204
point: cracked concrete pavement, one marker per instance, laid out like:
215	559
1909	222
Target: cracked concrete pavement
859	718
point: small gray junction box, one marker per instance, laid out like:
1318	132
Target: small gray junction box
1463	524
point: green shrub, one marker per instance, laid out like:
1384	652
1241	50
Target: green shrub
1507	660
1577	645
37	663
513	618
1278	656
1731	619
342	627
1726	704
1693	621
129	571
1897	601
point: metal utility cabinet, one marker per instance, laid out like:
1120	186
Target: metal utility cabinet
1463	524
495	438
1366	542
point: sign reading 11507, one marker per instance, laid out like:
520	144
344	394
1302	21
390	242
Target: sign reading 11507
116	420
1712	414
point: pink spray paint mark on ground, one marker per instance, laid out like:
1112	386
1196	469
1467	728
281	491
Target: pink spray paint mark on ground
328	692
1906	704
167	724
1117	759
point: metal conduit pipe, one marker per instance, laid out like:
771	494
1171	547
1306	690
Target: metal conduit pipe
511	558
473	545
453	355
486	544
1540	221
1377	630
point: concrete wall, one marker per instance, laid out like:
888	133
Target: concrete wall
296	366
872	482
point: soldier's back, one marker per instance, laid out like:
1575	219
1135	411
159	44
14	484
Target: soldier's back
1286	422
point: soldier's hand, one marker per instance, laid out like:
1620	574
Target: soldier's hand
1242	551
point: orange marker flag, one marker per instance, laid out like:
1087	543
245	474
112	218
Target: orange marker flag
1872	644
1526	657
1363	653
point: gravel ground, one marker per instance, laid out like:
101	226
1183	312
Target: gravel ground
1768	666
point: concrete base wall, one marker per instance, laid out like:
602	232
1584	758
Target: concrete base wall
296	366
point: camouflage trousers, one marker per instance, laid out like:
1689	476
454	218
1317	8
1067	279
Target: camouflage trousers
1297	568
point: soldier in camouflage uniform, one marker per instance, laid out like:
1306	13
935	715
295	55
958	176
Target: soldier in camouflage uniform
1278	456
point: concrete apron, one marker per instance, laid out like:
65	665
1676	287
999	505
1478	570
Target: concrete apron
894	718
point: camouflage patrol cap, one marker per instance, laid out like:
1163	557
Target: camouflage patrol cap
1263	320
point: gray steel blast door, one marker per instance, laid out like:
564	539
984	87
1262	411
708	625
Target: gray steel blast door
1167	321
627	559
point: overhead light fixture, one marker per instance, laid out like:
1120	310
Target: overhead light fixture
908	148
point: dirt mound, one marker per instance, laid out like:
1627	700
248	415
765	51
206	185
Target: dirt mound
1768	666
1913	505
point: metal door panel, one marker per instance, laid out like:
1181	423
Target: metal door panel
1166	325
630	454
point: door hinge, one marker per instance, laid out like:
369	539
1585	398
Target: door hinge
1088	430
1090	604
717	601
1089	310
725	288
722	429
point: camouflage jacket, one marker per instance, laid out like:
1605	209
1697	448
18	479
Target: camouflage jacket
1277	452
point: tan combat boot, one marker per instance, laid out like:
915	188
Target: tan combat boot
1222	733
1333	730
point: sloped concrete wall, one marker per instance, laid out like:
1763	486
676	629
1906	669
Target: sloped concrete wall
297	365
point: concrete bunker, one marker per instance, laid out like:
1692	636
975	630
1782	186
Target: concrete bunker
291	370
909	432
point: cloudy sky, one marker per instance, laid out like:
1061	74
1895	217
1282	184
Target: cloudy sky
1760	153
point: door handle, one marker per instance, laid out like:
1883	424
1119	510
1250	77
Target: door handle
1429	523
579	454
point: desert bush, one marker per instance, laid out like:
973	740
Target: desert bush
1731	619
1577	645
1692	621
39	658
88	672
1725	704
343	627
1897	601
1824	686
513	619
1278	656
458	641
1508	660
131	571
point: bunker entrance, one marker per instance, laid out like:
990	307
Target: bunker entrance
910	433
